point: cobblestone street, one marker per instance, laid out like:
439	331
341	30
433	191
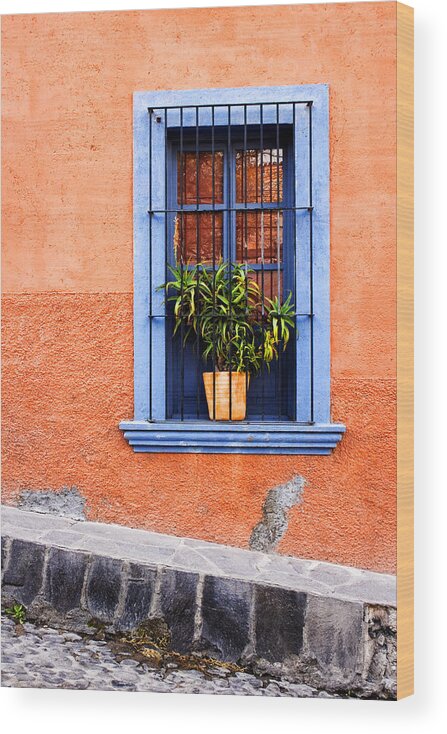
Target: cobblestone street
41	657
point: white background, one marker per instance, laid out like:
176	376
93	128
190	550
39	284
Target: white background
90	711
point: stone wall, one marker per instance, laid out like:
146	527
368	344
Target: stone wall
273	623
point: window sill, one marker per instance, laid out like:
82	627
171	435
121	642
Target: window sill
231	438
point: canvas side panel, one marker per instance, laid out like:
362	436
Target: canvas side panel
405	541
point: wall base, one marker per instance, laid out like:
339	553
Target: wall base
332	627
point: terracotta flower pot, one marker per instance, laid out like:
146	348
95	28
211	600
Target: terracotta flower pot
239	383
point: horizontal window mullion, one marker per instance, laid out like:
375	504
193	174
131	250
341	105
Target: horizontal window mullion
201	208
236	208
266	266
222	105
190	209
254	206
267	206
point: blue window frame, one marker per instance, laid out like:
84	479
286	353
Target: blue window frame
305	426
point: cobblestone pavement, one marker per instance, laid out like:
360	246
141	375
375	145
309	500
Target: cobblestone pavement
41	657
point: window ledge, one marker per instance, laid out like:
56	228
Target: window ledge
208	437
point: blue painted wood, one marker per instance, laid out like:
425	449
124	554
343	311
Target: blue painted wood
234	426
240	450
142	367
181	437
159	225
302	265
321	257
149	268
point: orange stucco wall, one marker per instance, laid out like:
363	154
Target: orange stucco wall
67	267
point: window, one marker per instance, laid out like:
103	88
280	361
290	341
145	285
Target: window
235	176
228	203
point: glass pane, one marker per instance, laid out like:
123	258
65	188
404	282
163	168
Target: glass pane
198	189
198	237
259	234
268	283
259	175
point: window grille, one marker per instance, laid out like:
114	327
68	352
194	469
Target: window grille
230	197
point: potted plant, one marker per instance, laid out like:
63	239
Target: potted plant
235	328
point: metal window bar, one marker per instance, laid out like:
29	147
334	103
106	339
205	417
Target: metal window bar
261	145
295	261
250	207
181	246
244	188
198	259
278	252
213	189
230	259
166	229
233	224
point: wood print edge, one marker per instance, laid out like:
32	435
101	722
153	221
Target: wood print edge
405	298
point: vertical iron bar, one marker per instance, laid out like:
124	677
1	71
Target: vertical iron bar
213	155
256	211
230	246
270	273
182	245
278	254
198	266
271	215
295	264
245	229
261	123
166	325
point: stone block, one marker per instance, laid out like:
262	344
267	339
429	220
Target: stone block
334	633
139	593
109	546
279	622
372	588
65	577
121	534
28	535
231	561
63	538
5	542
178	606
225	615
22	579
13	518
103	587
380	655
